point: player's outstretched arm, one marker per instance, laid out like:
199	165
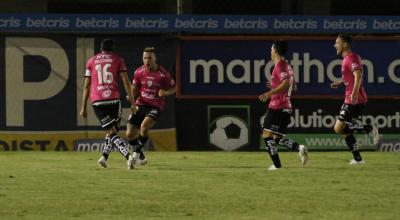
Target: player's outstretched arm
337	84
85	96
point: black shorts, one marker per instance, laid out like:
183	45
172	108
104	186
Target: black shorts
277	120
349	113
142	112
109	115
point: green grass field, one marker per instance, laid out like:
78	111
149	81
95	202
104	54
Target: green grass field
198	185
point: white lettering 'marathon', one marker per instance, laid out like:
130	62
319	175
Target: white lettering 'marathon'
251	71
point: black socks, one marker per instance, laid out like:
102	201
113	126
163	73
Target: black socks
288	143
120	144
272	150
352	144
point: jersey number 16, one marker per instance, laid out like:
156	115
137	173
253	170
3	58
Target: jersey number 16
104	76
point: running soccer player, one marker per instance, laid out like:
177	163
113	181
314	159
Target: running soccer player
355	98
151	84
101	79
277	116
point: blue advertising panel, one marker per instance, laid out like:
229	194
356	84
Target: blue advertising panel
244	24
233	67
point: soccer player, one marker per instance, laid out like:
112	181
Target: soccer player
150	85
277	116
355	98
101	78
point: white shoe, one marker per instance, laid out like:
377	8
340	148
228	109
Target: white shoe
131	162
139	161
303	154
375	134
272	167
355	162
102	162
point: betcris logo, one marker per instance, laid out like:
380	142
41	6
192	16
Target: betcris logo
241	68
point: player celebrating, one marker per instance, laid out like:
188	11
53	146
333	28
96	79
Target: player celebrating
280	107
151	83
101	78
355	98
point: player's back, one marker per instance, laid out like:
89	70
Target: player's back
104	71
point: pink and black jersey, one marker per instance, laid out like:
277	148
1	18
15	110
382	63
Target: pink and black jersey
352	62
149	83
281	71
103	70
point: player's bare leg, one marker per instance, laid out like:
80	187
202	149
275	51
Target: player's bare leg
132	133
146	125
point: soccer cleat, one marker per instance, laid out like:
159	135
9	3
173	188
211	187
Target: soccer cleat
102	162
131	162
141	159
355	162
273	167
137	159
303	154
375	134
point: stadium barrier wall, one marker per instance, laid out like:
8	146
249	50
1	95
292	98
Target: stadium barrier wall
229	72
311	123
43	74
42	78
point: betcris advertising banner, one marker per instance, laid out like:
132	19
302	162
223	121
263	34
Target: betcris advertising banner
239	67
41	80
214	24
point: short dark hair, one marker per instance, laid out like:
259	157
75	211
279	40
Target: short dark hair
107	45
150	49
280	46
346	38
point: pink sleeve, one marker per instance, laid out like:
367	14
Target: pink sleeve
136	78
89	64
283	73
354	62
168	80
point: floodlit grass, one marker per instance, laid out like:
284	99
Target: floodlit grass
198	185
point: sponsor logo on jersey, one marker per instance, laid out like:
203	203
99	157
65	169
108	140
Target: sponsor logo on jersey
106	94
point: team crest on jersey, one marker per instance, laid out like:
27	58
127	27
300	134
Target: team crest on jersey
149	83
106	94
